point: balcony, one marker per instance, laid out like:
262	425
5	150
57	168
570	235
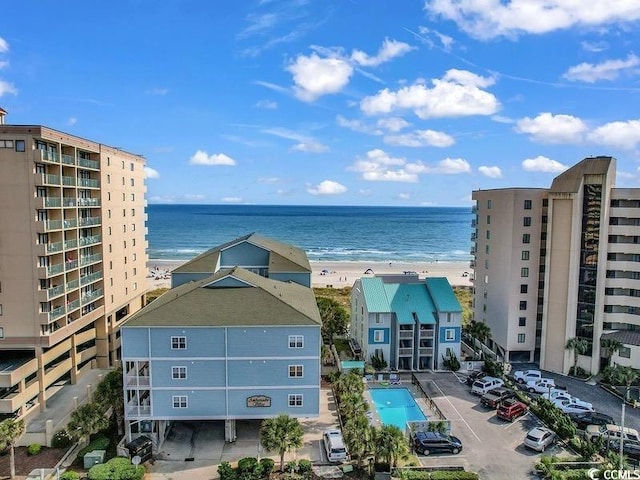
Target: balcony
92	240
136	381
474	236
49	156
54	247
427	332
15	400
70	244
48	179
56	313
71	306
69	181
474	223
472	264
56	269
52	202
12	375
472	251
50	225
87	279
406	334
85	162
88	182
70	264
405	352
55	292
133	410
89	221
72	285
88	202
91	297
70	223
69	202
425	351
68	159
89	259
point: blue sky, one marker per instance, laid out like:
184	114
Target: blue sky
316	102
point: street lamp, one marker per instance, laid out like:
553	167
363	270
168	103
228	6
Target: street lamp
624	404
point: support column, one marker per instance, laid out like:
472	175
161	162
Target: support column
74	360
230	430
42	400
102	342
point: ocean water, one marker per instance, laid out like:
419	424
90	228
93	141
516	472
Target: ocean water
326	233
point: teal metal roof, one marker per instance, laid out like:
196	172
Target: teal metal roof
442	295
403	299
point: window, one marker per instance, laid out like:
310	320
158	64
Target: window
486	264
525	255
6	143
488	219
527	204
131	166
526	222
0	309
526	238
488	235
624	352
486	249
523	304
108	178
489	204
524	288
521	337
178	343
295	371
522	321
133	212
524	272
178	373
378	336
20	146
296	341
133	197
295	400
449	334
132	182
1	332
180	401
378	319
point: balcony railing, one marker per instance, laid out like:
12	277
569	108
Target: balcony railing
88	182
93	277
50	225
68	159
69	244
406	334
54	247
474	236
72	285
86	241
55	291
70	264
137	381
52	202
55	269
138	410
71	223
85	162
69	202
88	202
425	351
88	221
427	333
49	156
48	179
472	264
90	297
405	352
88	259
71	306
69	181
56	313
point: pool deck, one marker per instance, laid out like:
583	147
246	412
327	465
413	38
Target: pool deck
405	382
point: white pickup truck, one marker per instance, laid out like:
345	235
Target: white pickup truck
542	385
524	376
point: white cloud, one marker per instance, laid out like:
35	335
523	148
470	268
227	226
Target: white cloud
312	147
608	70
4	64
4	46
404	196
378	166
357	126
543	164
393	124
594	47
231	200
389	50
157	91
305	143
314	76
445	40
502	119
268	180
448	166
6	87
491	172
327	187
459	93
487	19
271	86
191	197
72	121
624	135
268	104
203	158
549	128
151	172
420	138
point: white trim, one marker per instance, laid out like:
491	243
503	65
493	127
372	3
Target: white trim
292	396
178	369
178	399
220	359
248	387
296	414
178	342
295	339
296	367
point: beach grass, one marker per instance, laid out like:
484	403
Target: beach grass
340	295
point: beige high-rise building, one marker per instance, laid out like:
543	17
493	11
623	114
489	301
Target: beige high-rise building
557	263
72	259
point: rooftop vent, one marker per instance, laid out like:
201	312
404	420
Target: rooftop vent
3	112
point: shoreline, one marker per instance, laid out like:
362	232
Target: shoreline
340	274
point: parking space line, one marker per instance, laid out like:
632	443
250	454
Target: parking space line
456	410
511	424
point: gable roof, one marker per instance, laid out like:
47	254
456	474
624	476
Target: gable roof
626	337
231	297
443	295
282	257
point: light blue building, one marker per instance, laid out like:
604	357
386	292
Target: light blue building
414	324
230	345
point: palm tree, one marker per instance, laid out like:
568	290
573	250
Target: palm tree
10	431
481	332
349	383
579	347
110	394
87	420
352	405
610	346
359	436
391	444
626	376
335	318
282	434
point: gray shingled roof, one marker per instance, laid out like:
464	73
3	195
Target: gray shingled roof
626	337
282	257
569	180
212	302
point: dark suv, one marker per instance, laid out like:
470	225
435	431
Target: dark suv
583	420
431	442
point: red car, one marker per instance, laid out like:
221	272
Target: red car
511	409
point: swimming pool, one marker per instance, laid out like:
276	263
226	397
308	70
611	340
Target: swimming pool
396	406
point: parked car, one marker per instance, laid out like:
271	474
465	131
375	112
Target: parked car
574	405
524	376
556	394
539	438
482	386
473	376
584	419
494	397
630	449
611	432
511	409
432	442
541	386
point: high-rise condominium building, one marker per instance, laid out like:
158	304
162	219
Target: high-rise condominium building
72	259
552	264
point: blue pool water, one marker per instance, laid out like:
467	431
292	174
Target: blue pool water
396	406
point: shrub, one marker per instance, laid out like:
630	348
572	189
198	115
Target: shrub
304	465
267	464
378	362
34	449
70	475
493	369
61	440
291	466
445	475
249	469
100	472
247	463
226	472
98	443
118	468
451	363
414	475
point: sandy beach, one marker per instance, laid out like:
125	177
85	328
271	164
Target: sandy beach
341	274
